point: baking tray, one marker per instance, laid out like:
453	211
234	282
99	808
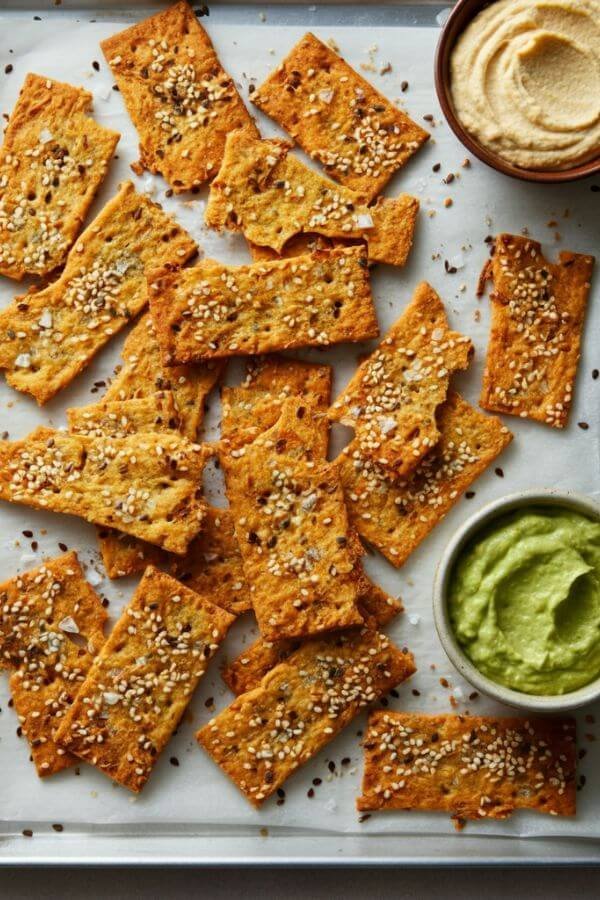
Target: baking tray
158	841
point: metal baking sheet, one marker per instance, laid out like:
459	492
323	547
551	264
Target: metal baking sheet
191	814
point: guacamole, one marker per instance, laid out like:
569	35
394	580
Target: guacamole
524	600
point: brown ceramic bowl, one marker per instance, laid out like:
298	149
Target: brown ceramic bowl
461	15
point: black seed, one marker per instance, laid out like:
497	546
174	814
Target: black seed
436	167
404	86
583	425
27	832
8	69
469	495
96	66
58	827
310	793
499	472
595	188
174	761
595	374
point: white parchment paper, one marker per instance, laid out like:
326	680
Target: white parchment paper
483	203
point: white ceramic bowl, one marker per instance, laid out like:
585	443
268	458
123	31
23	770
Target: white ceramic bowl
530	702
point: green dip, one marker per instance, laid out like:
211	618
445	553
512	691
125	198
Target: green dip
524	600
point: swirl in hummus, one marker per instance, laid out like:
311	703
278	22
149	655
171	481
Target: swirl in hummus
525	81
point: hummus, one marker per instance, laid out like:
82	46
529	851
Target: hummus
525	81
524	600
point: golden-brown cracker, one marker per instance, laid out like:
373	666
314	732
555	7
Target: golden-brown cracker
392	399
180	99
147	485
213	564
538	308
47	338
267	193
292	528
395	515
141	682
471	766
51	624
52	161
338	118
253	663
296	246
119	418
272	384
143	373
394	221
124	555
299	706
213	311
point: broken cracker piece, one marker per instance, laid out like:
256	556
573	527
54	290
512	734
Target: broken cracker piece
147	485
51	627
395	515
392	399
473	767
213	310
140	684
538	308
180	99
52	161
338	118
271	196
119	418
300	706
47	338
292	529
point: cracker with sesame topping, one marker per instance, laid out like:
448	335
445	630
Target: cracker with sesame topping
47	338
338	118
138	687
51	624
300	706
180	99
271	196
253	663
292	528
213	311
538	309
299	245
52	162
147	485
392	399
473	767
396	515
119	418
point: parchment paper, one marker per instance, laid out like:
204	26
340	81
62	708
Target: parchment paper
484	203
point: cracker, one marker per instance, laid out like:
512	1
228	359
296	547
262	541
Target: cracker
299	707
267	193
253	663
292	529
396	515
392	399
47	338
473	767
143	373
213	311
180	99
298	245
338	118
147	485
53	159
120	418
141	682
538	309
51	624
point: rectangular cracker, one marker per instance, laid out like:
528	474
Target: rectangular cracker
300	706
473	767
47	338
213	311
268	194
179	97
392	399
247	670
147	485
120	418
538	309
338	118
396	515
141	682
271	384
52	161
51	627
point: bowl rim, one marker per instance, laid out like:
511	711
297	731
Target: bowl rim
443	52
540	703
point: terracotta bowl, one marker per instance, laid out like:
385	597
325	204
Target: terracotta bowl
461	15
